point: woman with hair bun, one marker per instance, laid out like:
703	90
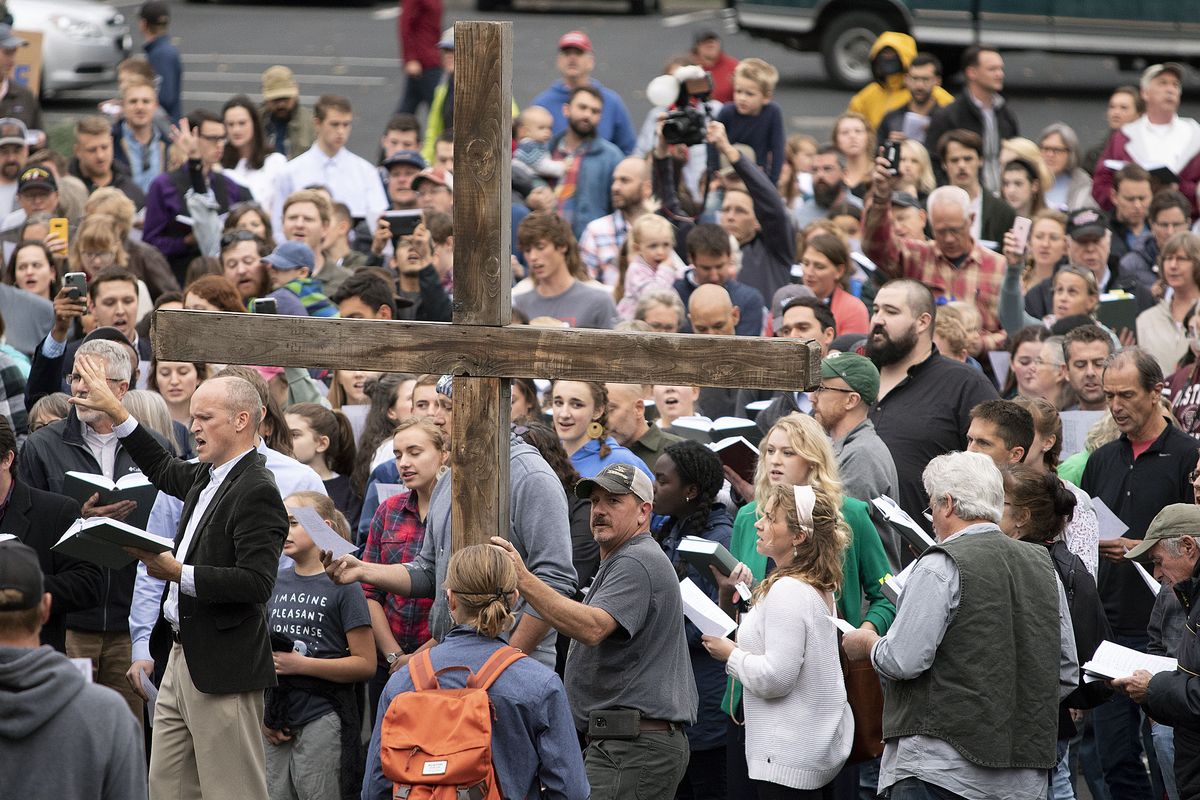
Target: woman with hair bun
534	746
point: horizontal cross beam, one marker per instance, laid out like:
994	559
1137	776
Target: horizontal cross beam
517	351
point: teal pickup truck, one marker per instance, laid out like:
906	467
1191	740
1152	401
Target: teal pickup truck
843	30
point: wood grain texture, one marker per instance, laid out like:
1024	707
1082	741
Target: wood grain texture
517	351
480	450
482	172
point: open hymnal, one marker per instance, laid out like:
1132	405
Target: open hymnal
1112	660
135	486
737	453
702	553
914	535
705	430
102	541
702	612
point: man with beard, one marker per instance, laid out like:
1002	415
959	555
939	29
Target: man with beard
576	61
14	149
953	264
829	188
588	160
961	152
287	124
94	164
924	404
925	93
602	240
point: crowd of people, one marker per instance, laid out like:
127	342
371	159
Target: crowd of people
1009	339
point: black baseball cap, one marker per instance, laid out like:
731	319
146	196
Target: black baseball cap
1086	223
155	12
37	178
905	200
20	572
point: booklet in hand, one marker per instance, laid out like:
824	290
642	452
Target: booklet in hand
100	540
704	430
135	486
1112	660
702	612
323	536
914	535
704	553
738	454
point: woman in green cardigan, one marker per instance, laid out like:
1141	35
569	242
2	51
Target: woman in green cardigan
796	452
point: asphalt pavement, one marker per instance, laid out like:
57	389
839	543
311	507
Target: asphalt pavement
353	51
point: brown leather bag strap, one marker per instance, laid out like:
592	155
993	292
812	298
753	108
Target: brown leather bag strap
420	669
499	661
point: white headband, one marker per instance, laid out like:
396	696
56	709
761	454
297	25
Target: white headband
806	498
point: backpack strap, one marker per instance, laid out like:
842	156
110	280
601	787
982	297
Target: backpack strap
499	661
420	669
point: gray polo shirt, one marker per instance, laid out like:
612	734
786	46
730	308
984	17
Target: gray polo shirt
27	318
644	664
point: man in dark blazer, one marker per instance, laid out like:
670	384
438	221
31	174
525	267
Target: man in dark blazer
39	519
210	704
981	109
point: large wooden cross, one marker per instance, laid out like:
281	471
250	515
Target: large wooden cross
480	348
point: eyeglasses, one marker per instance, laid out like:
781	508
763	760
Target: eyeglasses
214	139
1055	151
233	237
1170	226
99	256
824	388
928	513
72	377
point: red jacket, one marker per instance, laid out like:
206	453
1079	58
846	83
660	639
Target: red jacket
722	77
1115	150
419	28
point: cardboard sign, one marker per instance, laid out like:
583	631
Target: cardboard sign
28	69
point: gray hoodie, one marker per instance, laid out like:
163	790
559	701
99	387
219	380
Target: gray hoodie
541	533
62	737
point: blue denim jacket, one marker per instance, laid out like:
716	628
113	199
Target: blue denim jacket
533	737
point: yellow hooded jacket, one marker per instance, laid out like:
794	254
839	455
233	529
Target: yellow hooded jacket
875	100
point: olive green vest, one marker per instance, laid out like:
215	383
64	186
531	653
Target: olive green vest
992	691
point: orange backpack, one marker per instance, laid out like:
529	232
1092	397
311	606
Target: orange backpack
436	744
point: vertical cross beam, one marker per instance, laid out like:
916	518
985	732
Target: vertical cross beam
479	451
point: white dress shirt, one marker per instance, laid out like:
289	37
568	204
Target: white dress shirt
290	476
351	180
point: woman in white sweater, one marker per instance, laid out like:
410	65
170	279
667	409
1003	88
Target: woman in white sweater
799	727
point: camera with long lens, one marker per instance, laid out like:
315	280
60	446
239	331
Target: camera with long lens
688	91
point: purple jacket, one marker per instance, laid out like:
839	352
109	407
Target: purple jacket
164	202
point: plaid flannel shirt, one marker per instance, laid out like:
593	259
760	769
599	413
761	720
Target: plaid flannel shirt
395	537
600	246
978	278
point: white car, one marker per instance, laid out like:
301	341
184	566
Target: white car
82	40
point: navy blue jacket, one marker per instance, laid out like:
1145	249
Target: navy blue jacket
168	70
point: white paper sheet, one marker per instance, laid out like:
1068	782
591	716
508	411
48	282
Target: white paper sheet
1154	585
323	536
1111	526
1075	427
1111	660
383	491
840	624
151	696
703	612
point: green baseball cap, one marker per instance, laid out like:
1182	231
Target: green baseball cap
1177	519
859	373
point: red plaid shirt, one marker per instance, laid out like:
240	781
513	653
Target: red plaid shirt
977	279
395	537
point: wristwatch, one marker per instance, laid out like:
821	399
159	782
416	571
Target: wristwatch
391	657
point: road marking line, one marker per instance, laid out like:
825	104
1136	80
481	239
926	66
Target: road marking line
386	13
315	61
255	77
813	122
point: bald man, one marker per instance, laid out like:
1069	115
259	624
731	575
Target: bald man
602	240
628	425
711	311
207	723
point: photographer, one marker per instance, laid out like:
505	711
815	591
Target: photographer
417	280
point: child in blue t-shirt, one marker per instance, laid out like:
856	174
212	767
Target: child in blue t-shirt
752	118
323	645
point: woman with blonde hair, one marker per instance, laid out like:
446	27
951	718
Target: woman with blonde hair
150	409
1028	151
786	653
144	260
97	244
533	734
796	452
916	170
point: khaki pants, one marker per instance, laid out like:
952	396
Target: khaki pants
111	654
206	746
